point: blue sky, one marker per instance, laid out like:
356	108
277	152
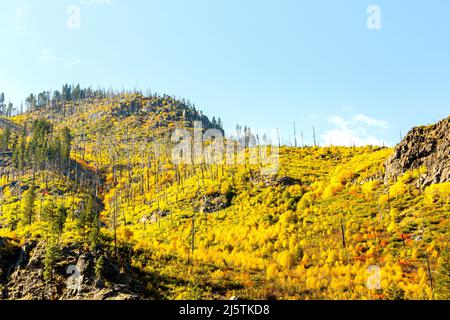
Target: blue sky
260	63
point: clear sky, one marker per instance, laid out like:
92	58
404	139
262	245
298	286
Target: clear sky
259	63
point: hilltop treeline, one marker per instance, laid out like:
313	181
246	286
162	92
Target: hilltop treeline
74	93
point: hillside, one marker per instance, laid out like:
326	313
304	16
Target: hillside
88	183
423	146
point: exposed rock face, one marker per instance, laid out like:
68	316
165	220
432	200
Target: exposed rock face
9	255
214	202
423	146
273	180
22	276
5	123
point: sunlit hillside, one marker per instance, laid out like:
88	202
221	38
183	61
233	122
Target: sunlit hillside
93	174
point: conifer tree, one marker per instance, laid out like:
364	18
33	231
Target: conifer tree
28	210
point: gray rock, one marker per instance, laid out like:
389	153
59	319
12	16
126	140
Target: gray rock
427	146
85	264
26	279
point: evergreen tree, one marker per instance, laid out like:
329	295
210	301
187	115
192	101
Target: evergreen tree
394	292
66	92
5	139
66	144
31	102
76	94
60	219
56	217
56	96
10	109
99	267
89	221
52	254
28	210
2	103
43	99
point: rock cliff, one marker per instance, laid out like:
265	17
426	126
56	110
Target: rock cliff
427	146
74	276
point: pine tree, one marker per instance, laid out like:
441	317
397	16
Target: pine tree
5	138
9	109
31	102
60	219
56	217
94	233
99	267
19	153
89	222
66	142
2	103
28	210
52	254
394	292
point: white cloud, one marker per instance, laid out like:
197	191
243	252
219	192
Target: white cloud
346	108
355	131
371	121
20	14
337	137
338	122
48	56
72	63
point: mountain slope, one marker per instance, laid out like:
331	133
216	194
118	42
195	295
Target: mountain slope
111	195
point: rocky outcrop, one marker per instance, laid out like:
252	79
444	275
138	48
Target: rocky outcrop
427	146
5	123
74	276
214	202
9	255
274	181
